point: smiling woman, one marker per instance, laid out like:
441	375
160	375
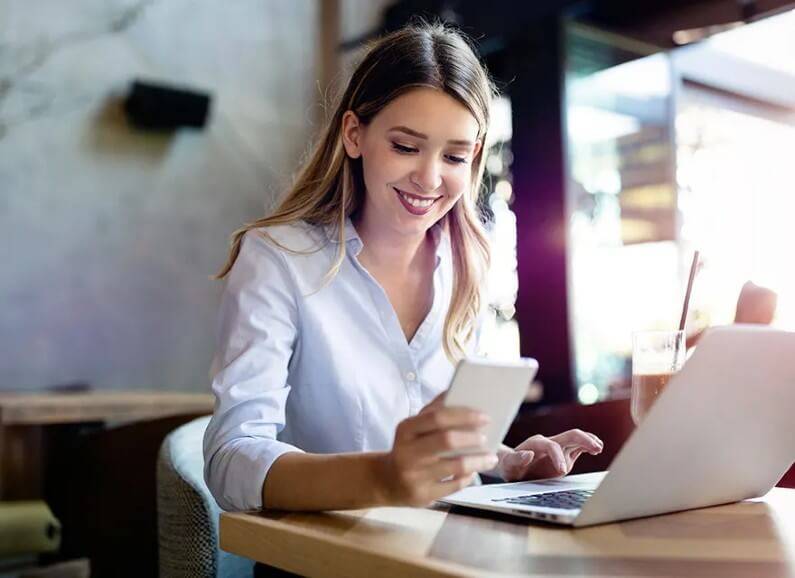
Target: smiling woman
345	310
411	174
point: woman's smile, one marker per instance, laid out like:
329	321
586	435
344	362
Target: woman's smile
415	204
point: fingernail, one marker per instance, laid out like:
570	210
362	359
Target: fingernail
562	466
527	457
483	418
482	438
491	461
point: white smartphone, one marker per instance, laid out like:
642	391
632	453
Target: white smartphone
496	388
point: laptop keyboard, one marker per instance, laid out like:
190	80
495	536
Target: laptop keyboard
565	500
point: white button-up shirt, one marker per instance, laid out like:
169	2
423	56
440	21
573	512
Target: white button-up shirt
325	371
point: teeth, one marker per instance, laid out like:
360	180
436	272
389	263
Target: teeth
416	202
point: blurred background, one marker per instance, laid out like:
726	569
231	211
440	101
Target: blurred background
135	136
624	139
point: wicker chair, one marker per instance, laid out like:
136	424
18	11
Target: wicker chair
187	514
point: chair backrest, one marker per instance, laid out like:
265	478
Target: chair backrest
187	514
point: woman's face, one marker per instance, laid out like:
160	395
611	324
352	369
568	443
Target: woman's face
417	155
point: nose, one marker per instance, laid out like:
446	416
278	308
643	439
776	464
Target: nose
427	177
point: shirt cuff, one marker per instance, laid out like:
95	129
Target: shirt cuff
245	465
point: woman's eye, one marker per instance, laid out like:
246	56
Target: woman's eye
403	149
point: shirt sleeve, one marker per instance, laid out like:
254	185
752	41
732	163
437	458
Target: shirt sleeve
257	332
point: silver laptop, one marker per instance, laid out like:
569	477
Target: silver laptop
722	431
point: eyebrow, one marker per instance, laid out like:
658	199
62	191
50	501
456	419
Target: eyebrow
414	133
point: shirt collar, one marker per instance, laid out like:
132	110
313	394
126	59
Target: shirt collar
352	239
442	239
350	232
355	244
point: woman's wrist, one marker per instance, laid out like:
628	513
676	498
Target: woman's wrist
380	472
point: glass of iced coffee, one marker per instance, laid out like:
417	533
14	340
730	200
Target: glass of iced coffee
656	356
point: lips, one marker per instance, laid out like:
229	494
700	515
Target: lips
415	204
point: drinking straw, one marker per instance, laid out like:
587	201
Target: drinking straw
682	321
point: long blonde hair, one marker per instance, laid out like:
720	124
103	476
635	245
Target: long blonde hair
330	186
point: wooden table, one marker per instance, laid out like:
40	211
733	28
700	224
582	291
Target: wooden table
749	539
26	417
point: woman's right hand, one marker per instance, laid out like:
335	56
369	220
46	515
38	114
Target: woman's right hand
414	474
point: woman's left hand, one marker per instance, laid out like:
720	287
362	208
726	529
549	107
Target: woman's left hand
539	457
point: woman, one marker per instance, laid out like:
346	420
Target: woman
345	309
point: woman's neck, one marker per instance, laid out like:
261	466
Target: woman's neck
385	249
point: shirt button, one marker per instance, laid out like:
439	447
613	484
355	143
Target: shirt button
411	376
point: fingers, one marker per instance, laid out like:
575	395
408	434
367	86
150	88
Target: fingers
448	487
546	446
429	446
579	438
553	457
461	466
600	444
519	458
515	466
441	419
421	487
414	473
572	454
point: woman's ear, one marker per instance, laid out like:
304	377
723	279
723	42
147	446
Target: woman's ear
477	148
351	134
